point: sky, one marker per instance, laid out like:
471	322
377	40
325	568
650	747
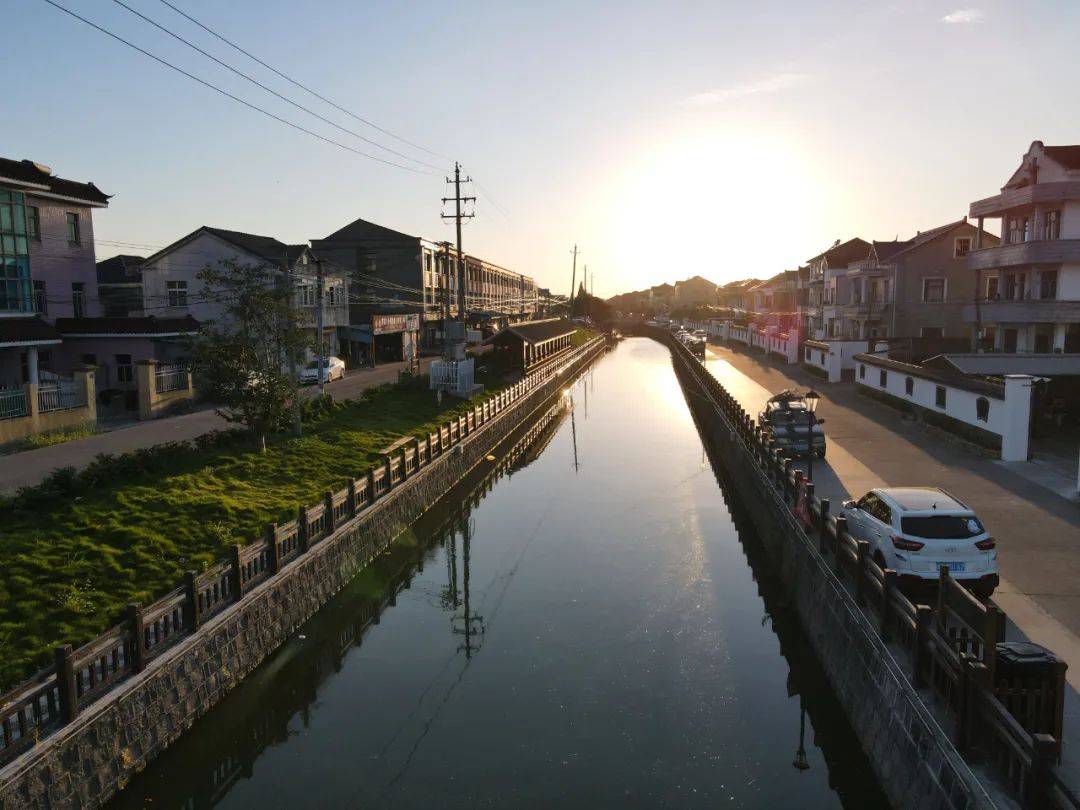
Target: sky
665	139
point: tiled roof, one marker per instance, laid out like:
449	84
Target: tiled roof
147	325
539	331
886	250
1067	156
923	237
844	254
42	180
266	247
22	331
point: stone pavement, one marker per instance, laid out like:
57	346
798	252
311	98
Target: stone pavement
32	466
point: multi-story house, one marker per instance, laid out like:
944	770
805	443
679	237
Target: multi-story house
918	287
172	288
119	284
1029	283
47	268
398	272
738	296
828	289
774	300
695	292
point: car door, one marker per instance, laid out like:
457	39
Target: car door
880	527
859	516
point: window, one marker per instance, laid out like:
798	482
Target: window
883	378
369	265
125	373
73	228
305	295
939	396
933	290
961	246
992	288
1051	225
14	253
177	293
932	332
982	409
78	299
862	371
41	303
909	386
33	222
1048	285
942	527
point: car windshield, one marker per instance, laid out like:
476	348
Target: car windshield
942	527
786	417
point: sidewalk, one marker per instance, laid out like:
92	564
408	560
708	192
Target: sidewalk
32	466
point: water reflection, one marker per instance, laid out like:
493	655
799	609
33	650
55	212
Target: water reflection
602	631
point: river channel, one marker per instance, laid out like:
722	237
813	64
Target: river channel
590	623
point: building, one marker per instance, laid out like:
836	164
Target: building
916	288
737	296
1029	283
828	289
773	300
47	266
522	346
119	285
173	290
695	292
402	273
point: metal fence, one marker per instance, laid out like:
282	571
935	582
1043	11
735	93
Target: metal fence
13	403
60	395
170	378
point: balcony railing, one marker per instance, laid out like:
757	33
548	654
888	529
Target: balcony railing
1039	251
1024	311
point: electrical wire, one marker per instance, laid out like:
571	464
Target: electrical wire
271	68
229	95
273	92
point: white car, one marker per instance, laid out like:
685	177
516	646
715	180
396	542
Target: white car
916	530
333	369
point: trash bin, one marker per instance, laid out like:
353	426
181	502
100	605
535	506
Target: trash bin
1030	681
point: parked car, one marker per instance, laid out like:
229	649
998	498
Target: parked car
916	530
333	369
787	418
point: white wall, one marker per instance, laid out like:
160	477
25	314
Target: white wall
1068	285
1008	417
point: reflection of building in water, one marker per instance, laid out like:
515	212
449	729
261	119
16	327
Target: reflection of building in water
259	713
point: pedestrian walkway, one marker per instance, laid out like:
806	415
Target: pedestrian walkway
30	467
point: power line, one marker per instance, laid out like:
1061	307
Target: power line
270	90
227	94
338	107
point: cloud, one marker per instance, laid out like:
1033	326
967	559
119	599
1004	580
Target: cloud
722	95
962	16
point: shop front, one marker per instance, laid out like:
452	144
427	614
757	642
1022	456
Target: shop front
384	339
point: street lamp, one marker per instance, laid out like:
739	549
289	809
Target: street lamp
811	397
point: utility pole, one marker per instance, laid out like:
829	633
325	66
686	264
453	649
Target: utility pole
573	280
319	325
457	216
298	425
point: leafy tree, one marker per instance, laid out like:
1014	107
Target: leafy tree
596	308
245	356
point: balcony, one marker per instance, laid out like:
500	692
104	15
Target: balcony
1021	197
1040	251
1025	311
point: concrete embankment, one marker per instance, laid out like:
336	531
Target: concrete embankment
89	758
913	758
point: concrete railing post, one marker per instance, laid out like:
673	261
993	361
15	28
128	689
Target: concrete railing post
138	637
890	581
302	528
65	684
1037	784
191	592
862	554
823	524
273	554
330	521
924	619
236	572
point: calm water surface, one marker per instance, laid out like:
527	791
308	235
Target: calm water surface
590	625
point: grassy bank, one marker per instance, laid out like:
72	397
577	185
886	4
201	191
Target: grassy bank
76	550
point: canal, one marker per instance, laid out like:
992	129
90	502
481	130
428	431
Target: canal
588	623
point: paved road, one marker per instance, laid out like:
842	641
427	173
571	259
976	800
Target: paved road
1038	530
30	467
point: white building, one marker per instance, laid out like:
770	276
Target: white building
1029	285
172	287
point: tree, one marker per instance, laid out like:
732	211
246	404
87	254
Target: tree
243	356
596	308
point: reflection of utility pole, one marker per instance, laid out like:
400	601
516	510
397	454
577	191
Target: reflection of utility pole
800	762
585	385
451	563
468	620
573	433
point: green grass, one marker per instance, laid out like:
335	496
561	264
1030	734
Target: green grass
51	438
74	552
